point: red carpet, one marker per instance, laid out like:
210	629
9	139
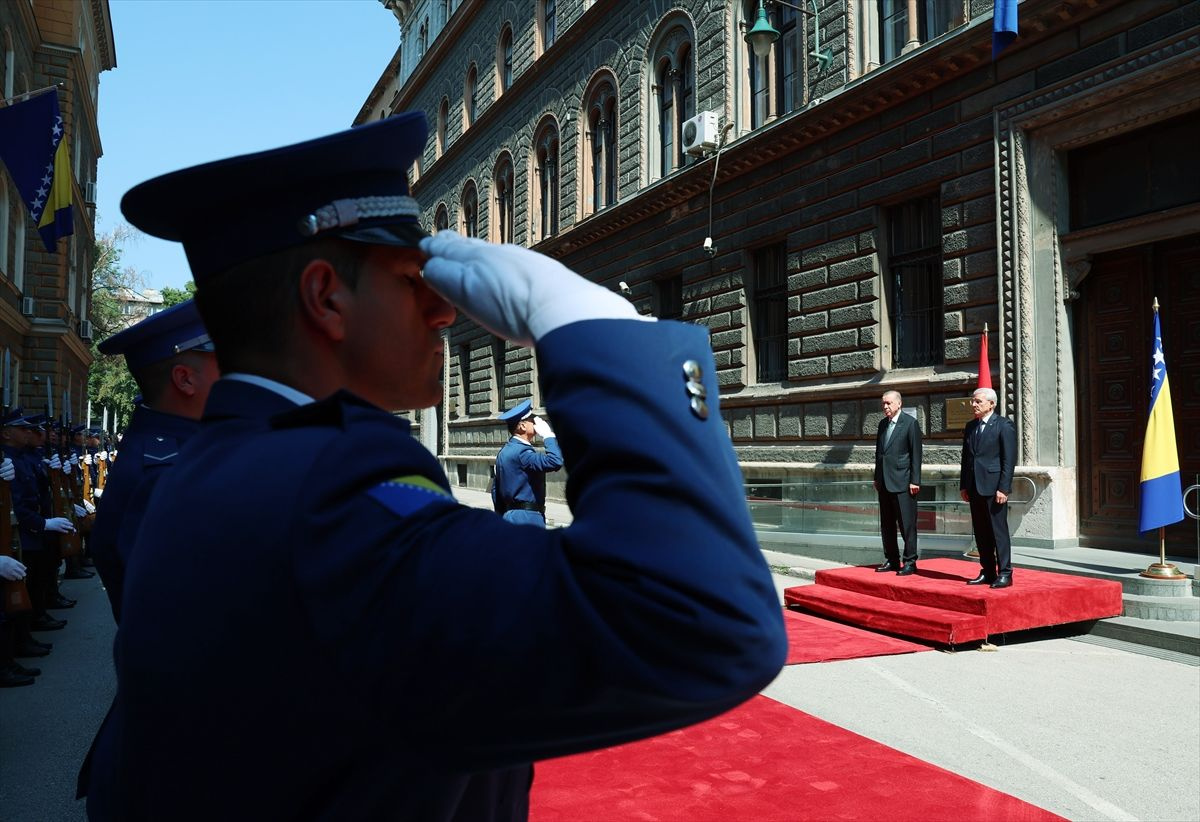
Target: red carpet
813	639
936	605
762	761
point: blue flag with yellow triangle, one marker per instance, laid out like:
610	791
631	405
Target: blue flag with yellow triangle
33	149
1162	491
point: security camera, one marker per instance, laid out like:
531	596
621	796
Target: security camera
624	286
708	245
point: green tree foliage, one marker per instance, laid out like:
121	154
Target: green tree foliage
110	385
174	296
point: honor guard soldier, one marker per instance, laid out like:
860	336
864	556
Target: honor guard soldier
519	492
418	655
171	358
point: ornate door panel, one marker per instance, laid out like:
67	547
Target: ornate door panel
1115	324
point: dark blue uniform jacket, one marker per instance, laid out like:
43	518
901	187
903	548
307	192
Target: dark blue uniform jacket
521	472
150	445
31	499
410	657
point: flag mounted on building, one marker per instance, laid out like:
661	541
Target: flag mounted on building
985	364
33	149
1162	492
1004	25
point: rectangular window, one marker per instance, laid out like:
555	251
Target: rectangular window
768	316
669	297
551	22
933	19
915	280
464	380
498	374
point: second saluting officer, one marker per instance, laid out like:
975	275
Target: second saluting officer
519	493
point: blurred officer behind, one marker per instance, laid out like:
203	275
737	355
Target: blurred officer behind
519	493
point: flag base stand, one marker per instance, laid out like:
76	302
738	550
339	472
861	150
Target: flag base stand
1163	570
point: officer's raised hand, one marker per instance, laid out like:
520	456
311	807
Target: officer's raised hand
513	292
542	428
60	525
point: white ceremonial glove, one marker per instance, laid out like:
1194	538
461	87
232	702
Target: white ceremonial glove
55	462
66	468
87	506
513	292
102	456
60	525
80	511
74	460
87	459
11	569
7	471
542	428
97	492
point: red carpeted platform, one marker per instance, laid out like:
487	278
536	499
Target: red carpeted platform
762	761
813	639
936	605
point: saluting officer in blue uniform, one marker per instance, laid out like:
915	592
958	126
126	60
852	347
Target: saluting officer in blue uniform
171	358
416	655
519	493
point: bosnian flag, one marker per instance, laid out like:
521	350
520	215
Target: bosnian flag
1162	492
1004	25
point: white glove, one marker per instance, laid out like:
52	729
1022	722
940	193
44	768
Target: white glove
87	506
60	525
80	511
542	428
7	471
11	568
97	492
74	460
102	456
66	468
55	462
513	292
87	459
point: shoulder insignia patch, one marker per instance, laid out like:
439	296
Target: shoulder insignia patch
405	496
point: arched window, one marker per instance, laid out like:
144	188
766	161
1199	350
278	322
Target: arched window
545	169
470	211
503	200
774	79
441	218
504	59
672	98
600	139
470	97
442	116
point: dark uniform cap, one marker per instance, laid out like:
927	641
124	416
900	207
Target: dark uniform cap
519	411
352	184
160	336
15	419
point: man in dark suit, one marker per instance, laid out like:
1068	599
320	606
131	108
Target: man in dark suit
897	481
989	455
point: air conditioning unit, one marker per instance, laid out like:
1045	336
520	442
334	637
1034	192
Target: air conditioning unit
89	192
27	306
701	133
85	330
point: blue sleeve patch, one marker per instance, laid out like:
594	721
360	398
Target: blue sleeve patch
405	496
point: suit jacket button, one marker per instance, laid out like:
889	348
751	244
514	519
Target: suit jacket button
692	370
700	408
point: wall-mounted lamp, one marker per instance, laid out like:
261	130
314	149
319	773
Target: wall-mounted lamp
762	35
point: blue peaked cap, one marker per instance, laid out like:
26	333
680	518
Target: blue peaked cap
519	411
160	336
352	184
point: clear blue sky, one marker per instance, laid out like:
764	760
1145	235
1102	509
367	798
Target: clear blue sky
198	80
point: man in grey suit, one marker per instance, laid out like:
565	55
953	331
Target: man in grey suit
897	481
989	455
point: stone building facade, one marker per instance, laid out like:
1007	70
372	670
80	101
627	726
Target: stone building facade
44	297
862	202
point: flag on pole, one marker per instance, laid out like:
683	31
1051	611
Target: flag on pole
1162	492
33	148
1004	25
985	365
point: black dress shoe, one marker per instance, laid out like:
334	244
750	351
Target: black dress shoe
11	679
78	573
21	670
908	569
982	579
45	622
30	650
61	601
1002	581
888	565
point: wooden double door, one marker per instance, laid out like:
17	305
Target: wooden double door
1114	323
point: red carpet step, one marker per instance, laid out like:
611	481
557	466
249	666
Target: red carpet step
762	761
812	639
936	605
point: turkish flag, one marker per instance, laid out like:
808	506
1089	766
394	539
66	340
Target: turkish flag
985	367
